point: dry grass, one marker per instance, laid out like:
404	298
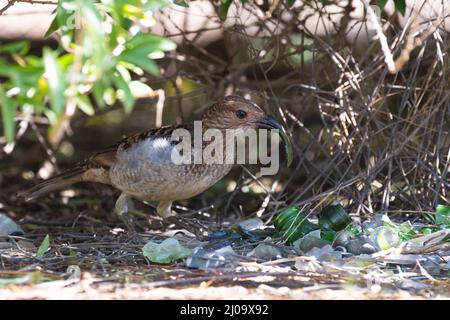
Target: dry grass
373	140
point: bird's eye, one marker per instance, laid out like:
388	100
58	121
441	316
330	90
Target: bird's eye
241	114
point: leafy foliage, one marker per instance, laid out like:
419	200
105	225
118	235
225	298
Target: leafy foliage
43	247
101	45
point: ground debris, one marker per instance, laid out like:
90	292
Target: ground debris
247	260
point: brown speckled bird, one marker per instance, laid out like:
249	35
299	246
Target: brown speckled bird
141	165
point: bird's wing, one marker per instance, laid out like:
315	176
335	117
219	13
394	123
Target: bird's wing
105	158
100	163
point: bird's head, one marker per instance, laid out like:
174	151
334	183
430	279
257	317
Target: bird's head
235	112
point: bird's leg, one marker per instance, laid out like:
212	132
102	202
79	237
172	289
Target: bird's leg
123	207
164	209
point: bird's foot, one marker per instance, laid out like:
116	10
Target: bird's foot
164	211
136	238
186	224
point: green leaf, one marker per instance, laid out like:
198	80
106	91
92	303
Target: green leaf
139	57
85	105
109	96
181	3
62	17
8	112
442	216
125	93
150	42
123	73
53	27
131	11
43	247
223	8
381	4
65	60
155	5
56	81
400	5
97	93
139	47
20	47
140	89
291	2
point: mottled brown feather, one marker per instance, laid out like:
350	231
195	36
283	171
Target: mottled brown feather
105	158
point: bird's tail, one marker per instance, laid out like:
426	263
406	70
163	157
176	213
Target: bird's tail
60	181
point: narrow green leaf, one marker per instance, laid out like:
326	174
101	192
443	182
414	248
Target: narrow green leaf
43	247
181	3
65	60
19	47
109	96
97	93
140	58
154	5
381	4
85	104
124	73
62	17
290	3
150	42
400	5
125	93
53	27
8	111
139	47
130	10
140	89
223	9
55	79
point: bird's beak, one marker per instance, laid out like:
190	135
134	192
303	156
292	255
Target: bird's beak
268	122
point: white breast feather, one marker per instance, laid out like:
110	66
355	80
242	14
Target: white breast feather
152	150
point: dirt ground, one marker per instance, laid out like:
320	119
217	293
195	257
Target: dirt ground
91	257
